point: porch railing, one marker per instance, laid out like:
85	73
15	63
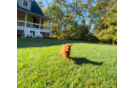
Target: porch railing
33	25
45	27
20	23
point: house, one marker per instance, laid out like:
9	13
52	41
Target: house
30	17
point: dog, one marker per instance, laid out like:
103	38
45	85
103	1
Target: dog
65	51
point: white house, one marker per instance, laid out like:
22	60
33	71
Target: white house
30	17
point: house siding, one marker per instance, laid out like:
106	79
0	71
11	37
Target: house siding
21	4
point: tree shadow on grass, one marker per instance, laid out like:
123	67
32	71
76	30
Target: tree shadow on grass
37	42
81	60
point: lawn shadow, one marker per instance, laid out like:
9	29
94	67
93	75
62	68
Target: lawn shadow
81	60
37	42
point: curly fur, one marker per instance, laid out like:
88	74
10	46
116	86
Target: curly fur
65	51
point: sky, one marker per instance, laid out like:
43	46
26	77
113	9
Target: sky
50	1
45	2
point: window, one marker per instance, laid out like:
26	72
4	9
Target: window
25	2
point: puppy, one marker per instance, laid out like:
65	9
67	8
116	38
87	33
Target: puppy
65	51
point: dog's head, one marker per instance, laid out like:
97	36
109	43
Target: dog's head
67	46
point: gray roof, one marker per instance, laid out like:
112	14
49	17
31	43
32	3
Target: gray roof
34	9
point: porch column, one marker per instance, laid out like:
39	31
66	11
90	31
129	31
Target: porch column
25	20
40	24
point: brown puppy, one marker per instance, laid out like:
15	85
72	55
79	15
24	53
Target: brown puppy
65	51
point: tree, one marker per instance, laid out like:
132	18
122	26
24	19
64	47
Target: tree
40	3
110	21
70	19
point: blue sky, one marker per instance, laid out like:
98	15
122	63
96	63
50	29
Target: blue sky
50	1
44	2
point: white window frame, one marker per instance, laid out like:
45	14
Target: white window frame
27	3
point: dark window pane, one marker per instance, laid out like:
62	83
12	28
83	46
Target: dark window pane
25	3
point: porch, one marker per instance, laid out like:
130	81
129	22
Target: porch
33	22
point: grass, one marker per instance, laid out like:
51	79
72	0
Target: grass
92	65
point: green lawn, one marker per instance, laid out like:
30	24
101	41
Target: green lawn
92	65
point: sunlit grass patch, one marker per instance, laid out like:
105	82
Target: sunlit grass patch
40	66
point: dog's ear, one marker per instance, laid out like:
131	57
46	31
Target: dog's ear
70	44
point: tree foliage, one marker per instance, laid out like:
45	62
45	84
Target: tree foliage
70	20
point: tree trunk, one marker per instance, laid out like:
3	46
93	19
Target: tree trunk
113	42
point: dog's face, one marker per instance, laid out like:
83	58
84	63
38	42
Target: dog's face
67	47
